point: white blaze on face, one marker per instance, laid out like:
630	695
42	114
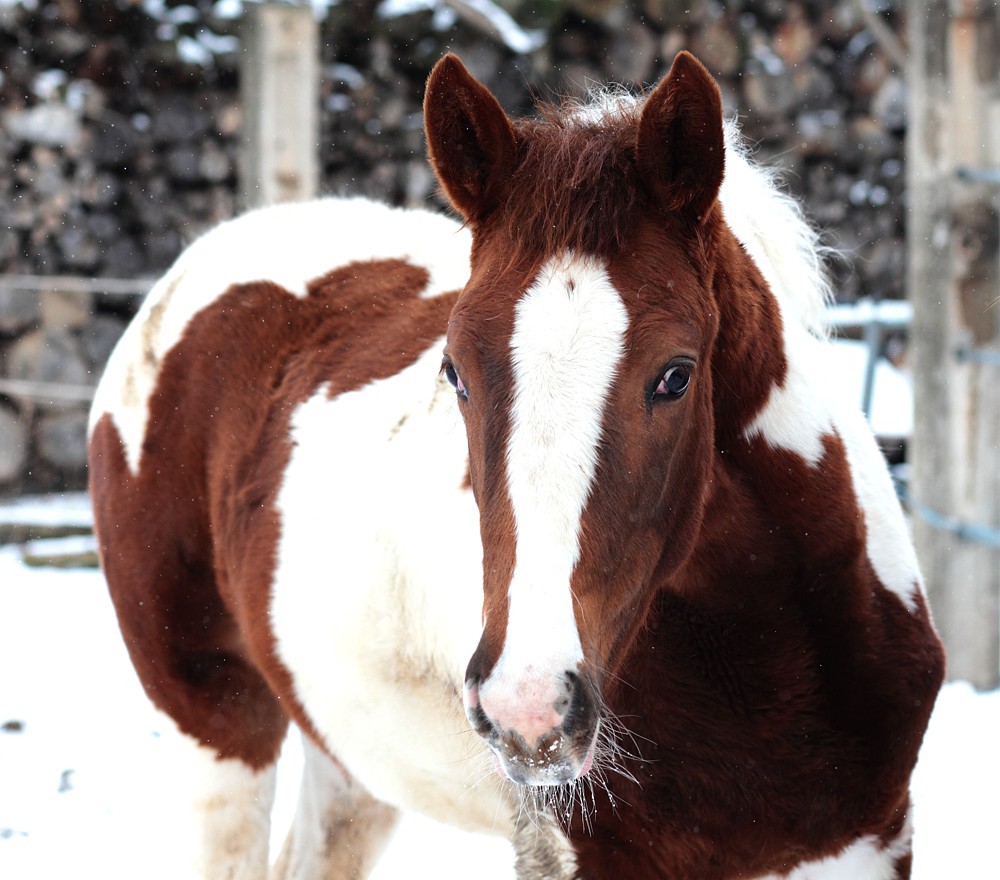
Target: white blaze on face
567	343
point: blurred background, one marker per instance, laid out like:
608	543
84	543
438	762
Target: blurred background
121	123
128	127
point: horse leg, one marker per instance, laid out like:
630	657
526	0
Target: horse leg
218	780
192	659
339	829
542	851
224	773
230	818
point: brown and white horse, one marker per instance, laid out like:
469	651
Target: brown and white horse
661	571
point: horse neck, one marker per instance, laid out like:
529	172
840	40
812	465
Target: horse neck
786	542
777	622
773	519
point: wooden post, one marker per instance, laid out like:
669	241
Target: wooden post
280	90
954	285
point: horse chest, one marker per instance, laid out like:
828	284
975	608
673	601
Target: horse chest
741	766
375	605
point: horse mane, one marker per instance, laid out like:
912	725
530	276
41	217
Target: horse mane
773	229
577	162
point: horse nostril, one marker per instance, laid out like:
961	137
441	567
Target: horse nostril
580	712
474	711
479	720
565	700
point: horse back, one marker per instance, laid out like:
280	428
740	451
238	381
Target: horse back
192	428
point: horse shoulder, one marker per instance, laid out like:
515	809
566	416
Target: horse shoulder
371	619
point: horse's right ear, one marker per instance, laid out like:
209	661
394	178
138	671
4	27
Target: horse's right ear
470	140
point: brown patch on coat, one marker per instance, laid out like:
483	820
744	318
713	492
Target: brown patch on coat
188	544
779	692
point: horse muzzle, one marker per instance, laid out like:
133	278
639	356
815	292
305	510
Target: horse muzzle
543	731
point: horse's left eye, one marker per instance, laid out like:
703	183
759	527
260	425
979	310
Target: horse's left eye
456	381
674	382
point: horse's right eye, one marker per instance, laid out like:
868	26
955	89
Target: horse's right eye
456	381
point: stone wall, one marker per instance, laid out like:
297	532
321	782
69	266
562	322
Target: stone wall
119	134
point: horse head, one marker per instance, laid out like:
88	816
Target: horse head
581	355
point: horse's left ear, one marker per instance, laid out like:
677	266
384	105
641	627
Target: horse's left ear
680	146
470	139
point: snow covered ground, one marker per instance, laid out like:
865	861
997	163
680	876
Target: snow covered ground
86	781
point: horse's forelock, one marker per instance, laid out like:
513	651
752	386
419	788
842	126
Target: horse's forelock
576	186
606	105
578	189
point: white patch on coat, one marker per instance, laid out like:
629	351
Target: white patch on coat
233	813
377	592
805	407
339	830
796	417
888	541
865	859
288	245
566	346
221	810
773	232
